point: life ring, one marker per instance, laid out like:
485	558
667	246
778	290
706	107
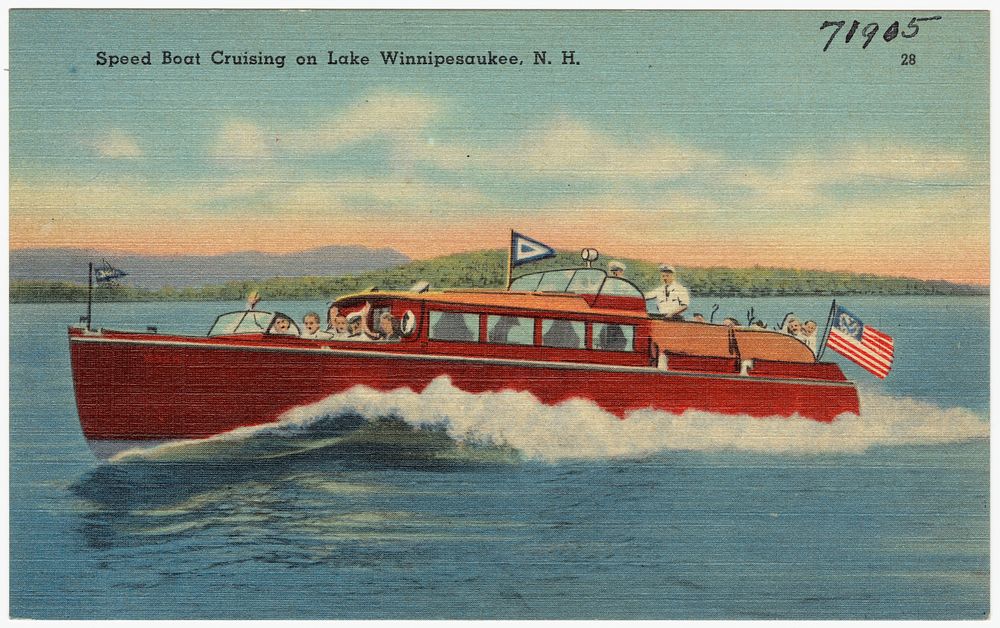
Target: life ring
409	323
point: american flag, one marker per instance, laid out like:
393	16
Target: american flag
871	349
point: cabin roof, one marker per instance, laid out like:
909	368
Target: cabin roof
550	301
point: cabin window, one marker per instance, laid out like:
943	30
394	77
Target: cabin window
511	330
613	337
528	283
563	334
454	326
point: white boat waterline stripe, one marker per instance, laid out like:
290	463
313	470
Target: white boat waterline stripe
613	368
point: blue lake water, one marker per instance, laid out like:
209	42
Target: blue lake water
885	516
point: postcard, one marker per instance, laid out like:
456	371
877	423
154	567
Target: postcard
412	314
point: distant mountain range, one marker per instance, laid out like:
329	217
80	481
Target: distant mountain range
182	271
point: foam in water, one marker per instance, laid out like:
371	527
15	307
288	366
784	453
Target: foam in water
578	429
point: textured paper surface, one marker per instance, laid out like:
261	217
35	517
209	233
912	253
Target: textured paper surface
775	160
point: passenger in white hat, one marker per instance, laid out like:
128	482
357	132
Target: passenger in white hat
616	268
672	299
355	328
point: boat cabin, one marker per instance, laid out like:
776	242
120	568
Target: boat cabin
572	315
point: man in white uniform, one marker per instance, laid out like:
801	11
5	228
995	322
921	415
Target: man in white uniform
672	298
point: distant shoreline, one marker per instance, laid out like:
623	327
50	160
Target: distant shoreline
487	270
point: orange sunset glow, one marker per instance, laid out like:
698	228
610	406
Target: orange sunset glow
161	236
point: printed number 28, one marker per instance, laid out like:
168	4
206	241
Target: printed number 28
908	59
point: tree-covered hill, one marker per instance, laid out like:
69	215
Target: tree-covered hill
487	269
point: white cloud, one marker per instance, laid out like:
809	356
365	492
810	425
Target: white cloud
403	118
117	145
240	139
805	178
358	196
569	148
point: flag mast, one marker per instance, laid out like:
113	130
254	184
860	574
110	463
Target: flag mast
90	290
826	334
510	260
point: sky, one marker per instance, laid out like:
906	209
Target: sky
695	138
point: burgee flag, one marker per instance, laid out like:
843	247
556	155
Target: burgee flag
869	348
523	249
108	273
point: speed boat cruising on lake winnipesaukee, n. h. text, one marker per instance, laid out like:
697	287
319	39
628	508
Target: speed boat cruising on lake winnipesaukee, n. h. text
110	60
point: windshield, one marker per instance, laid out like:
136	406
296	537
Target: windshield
616	287
247	322
586	281
527	283
555	281
575	281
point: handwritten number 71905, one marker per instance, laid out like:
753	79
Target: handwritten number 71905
871	30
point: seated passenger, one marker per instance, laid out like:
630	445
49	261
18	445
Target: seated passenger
809	334
387	327
355	329
452	326
283	327
339	329
698	317
612	338
501	330
561	334
794	328
731	322
311	323
787	323
331	315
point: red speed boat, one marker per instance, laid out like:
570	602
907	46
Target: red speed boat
559	335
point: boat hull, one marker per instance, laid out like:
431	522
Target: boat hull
151	388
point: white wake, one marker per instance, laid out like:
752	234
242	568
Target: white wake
579	429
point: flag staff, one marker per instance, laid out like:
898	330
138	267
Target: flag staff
510	260
90	290
829	325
